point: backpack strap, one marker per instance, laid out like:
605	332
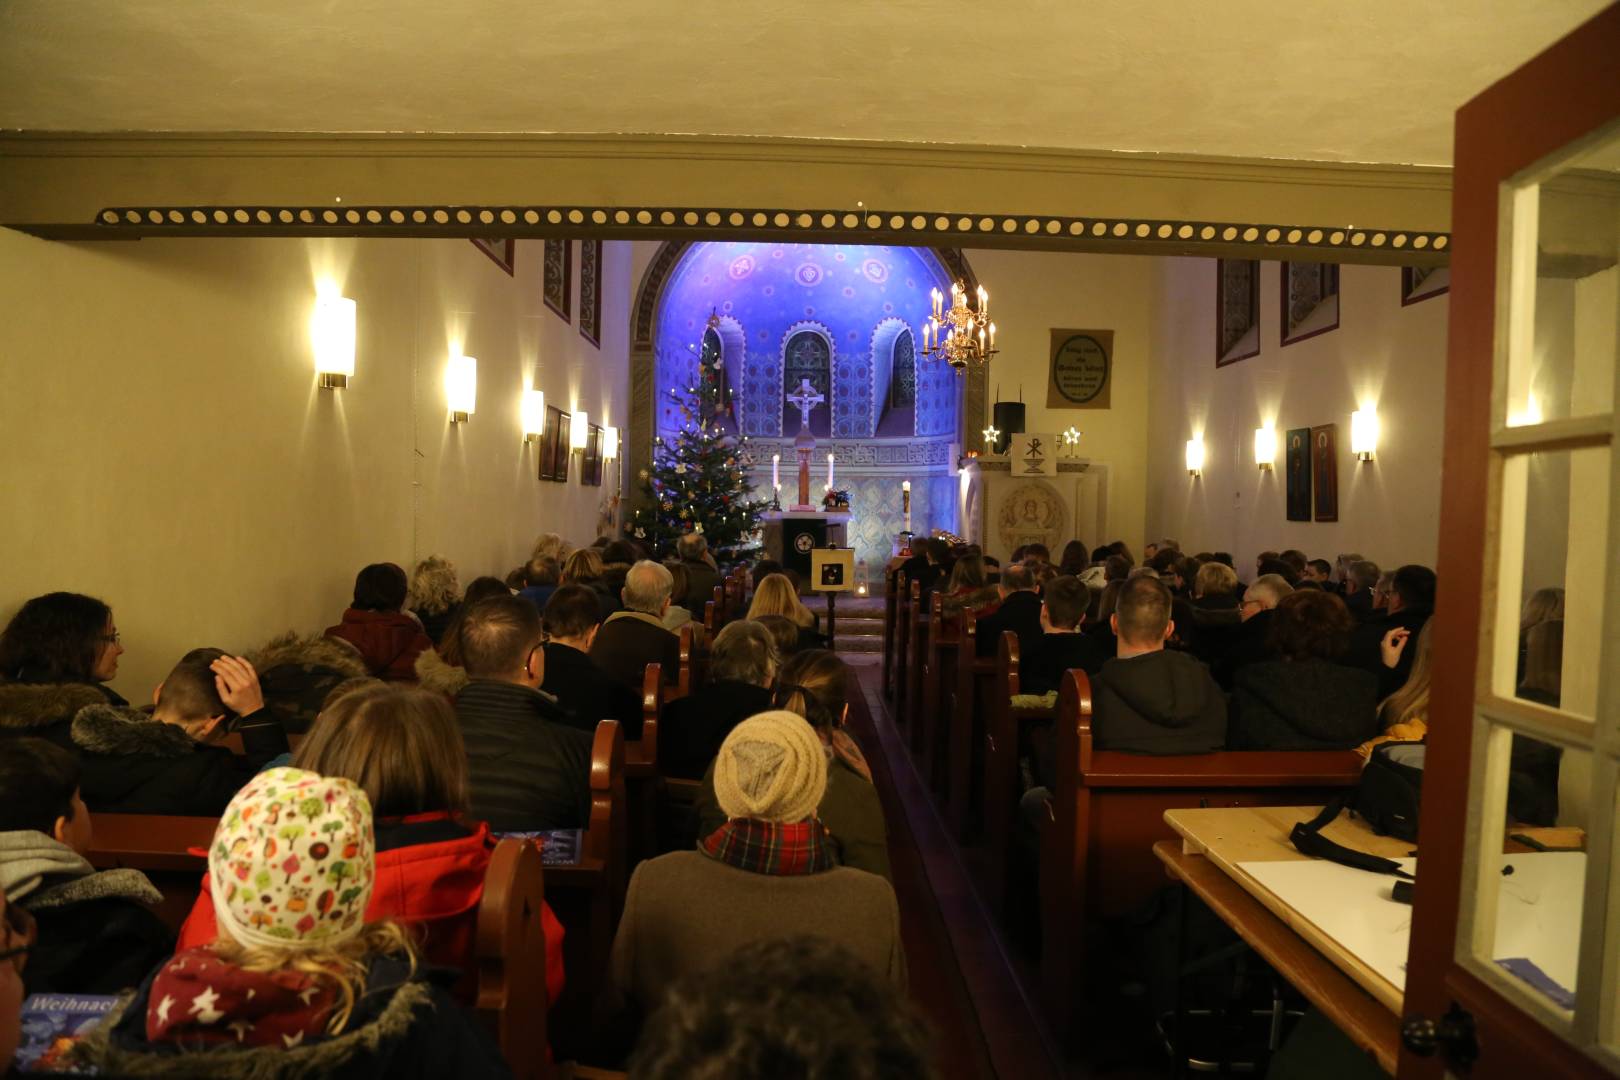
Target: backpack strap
1308	839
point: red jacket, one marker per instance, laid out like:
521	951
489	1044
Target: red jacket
389	641
433	886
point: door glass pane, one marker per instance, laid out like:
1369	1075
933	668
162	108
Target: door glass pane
1532	869
1567	320
1555	562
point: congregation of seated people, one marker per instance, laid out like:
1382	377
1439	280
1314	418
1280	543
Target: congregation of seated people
1183	657
359	778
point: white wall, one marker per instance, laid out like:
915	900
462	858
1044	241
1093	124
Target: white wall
1034	293
1383	354
167	449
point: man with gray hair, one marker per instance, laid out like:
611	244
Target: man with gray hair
1360	579
635	637
742	664
701	574
1248	642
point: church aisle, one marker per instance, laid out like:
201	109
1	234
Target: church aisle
959	977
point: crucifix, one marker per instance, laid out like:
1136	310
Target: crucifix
806	397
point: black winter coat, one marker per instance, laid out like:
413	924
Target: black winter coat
587	694
692	728
96	933
134	764
526	768
628	642
402	1026
1366	647
1020	612
1302	705
1041	668
1157	703
1246	643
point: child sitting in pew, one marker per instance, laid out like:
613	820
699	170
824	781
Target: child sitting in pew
300	982
167	760
96	934
1061	645
402	747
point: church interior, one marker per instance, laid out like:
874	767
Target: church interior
663	308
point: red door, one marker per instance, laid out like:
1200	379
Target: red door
1514	966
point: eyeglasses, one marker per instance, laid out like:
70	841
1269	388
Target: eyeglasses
114	638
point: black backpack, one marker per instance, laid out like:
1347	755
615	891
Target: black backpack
1387	800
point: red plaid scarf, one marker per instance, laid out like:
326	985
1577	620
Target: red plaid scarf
768	847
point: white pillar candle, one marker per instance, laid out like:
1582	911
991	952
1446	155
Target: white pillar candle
829	470
776	470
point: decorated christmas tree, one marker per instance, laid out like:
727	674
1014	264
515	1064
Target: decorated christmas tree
696	483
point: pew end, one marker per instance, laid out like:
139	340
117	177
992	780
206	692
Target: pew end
511	953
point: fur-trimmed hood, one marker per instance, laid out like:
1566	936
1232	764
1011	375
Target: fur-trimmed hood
108	729
24	706
297	673
314	651
118	1046
433	672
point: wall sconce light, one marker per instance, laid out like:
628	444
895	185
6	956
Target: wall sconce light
1265	448
461	387
1364	433
533	410
610	444
331	332
1195	457
579	431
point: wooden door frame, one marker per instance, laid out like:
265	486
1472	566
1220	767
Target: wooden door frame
1501	132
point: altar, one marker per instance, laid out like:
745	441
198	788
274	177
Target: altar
790	536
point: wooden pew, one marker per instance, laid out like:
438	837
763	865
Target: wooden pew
967	720
893	582
902	646
1107	812
916	664
641	777
1003	739
938	681
511	951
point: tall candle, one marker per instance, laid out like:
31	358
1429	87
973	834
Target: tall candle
905	499
776	470
829	470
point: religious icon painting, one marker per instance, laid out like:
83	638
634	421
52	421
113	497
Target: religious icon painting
1325	471
1299	474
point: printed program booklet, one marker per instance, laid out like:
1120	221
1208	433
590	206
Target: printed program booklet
50	1025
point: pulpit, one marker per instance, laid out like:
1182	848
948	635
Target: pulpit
791	535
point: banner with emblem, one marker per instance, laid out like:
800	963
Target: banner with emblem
1033	455
1082	361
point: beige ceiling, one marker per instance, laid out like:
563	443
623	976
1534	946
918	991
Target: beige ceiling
1369	80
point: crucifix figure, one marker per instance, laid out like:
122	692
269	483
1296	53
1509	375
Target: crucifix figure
805	397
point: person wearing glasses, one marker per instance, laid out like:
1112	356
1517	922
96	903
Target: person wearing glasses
1249	643
527	769
97	933
57	655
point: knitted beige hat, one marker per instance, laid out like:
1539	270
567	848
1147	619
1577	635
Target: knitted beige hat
772	767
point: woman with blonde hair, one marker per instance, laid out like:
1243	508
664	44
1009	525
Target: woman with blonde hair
301	982
1404	715
585	567
434	596
403	748
776	595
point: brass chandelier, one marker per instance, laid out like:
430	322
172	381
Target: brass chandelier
958	334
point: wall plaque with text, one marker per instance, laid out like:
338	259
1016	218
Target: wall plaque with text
1082	361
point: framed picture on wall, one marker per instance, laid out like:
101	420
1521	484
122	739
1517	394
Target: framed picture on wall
1424	283
590	291
1325	471
590	470
557	276
554	445
503	253
1299	474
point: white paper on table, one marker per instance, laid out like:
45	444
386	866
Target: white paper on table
1538	910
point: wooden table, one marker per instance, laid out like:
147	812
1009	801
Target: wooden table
1359	1001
